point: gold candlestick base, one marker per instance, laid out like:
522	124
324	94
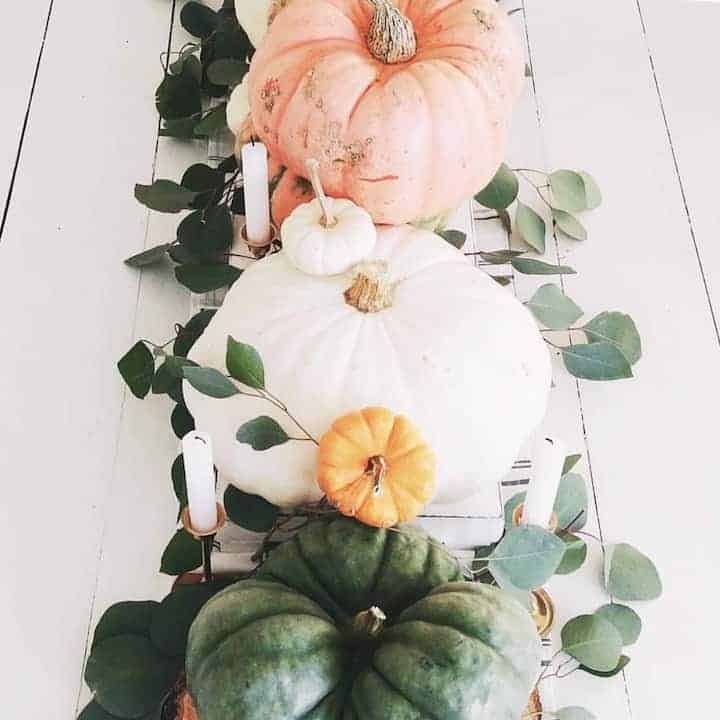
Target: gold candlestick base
260	249
206	538
518	513
543	611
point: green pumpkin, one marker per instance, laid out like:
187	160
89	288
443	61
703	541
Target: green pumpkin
346	622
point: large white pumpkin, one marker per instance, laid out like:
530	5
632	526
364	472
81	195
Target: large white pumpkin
455	352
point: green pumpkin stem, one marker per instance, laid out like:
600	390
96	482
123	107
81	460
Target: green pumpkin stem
369	622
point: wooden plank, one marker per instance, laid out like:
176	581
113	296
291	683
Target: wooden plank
20	56
69	305
600	111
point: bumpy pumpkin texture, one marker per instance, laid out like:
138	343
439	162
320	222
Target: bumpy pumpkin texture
406	138
306	639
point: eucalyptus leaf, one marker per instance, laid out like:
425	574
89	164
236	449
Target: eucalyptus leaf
526	557
181	420
245	364
262	433
180	128
94	711
553	308
630	575
569	224
570	462
164	196
125	618
178	96
502	280
622	664
499	257
456	238
188	335
592	641
618	329
575	554
137	368
251	512
192	68
213	122
593	196
182	554
626	621
531	266
179	483
199	20
574	713
501	191
151	256
227	71
204	278
530	227
568	191
596	361
206	233
163	381
571	502
210	382
201	178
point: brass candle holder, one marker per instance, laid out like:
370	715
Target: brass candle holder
260	249
206	538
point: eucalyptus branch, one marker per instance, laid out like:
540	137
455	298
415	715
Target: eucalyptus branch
281	406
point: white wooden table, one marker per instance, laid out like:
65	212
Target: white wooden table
626	89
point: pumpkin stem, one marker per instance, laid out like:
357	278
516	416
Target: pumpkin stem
377	468
371	290
391	37
369	622
328	219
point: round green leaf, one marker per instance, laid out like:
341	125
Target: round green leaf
227	71
530	226
593	196
125	618
596	361
575	554
95	711
204	278
622	664
569	224
553	308
182	421
526	557
137	368
501	191
592	641
618	329
626	621
177	475
182	554
148	257
574	713
129	676
180	128
188	335
249	511
456	238
213	122
629	575
245	364
199	20
568	190
571	502
201	178
178	96
262	433
210	381
164	196
530	266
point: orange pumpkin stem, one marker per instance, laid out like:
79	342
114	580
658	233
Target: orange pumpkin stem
371	290
328	219
391	37
377	468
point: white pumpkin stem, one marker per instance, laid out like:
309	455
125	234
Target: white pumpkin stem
391	36
313	166
371	290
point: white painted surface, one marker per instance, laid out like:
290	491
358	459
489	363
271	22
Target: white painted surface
72	437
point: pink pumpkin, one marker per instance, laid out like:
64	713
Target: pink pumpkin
406	109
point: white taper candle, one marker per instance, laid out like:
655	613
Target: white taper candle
257	193
547	464
200	481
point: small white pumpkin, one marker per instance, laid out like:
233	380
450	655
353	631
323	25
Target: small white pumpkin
417	329
327	236
253	16
238	108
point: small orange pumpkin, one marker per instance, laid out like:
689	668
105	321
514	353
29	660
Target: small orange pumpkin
373	465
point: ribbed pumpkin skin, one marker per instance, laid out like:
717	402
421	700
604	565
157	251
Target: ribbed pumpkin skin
279	648
406	141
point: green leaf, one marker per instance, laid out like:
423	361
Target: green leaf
593	196
227	71
596	361
204	278
570	462
199	20
180	128
526	557
630	575
191	68
568	191
94	711
456	238
499	257
501	191
622	664
618	329
249	511
571	502
177	475
530	226
182	421
213	122
569	224
574	713
262	433
206	233
592	641
553	308
530	266
164	196
182	554
148	257
201	178
129	675
626	621
245	364
137	368
210	381
178	96
125	618
502	280
575	554
188	335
